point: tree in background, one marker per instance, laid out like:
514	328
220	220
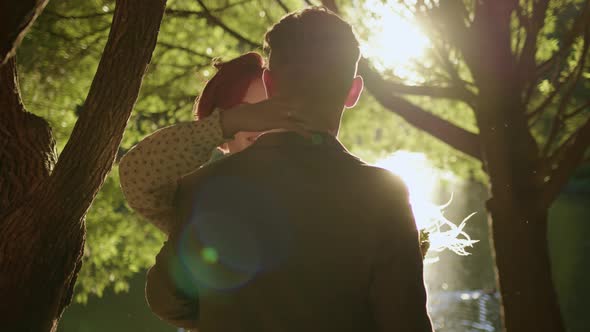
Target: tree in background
519	67
44	199
503	87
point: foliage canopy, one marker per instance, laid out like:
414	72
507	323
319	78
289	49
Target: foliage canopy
60	55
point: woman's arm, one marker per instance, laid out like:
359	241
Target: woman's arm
149	171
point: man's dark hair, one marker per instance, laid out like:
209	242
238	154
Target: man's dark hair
316	51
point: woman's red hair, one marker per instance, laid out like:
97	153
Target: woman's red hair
229	85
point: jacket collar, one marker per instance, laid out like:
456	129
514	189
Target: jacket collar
289	138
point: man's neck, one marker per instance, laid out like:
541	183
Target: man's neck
321	119
331	132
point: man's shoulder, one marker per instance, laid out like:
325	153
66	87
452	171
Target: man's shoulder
383	180
375	175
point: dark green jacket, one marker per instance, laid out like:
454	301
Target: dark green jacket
294	235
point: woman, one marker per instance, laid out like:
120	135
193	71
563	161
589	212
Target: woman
231	112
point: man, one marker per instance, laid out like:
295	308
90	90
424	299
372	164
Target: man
294	233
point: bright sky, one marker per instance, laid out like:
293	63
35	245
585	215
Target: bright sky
395	39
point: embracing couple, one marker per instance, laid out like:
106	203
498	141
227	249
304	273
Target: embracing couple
284	230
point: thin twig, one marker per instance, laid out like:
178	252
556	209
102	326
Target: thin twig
283	6
216	21
568	157
79	17
526	61
532	28
169	11
578	28
432	91
577	111
547	101
559	117
445	61
184	13
184	49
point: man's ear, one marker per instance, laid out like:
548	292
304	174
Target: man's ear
268	83
355	92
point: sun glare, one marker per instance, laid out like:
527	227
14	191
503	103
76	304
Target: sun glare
394	39
421	179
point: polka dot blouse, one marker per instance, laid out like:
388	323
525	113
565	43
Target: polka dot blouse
150	170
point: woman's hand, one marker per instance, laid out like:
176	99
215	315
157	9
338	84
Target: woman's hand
274	113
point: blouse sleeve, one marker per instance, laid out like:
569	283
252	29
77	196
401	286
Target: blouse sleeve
150	170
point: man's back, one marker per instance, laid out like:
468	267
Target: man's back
298	235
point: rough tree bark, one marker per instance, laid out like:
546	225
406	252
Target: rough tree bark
42	228
518	222
16	17
511	159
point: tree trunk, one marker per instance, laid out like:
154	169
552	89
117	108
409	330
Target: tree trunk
524	269
42	228
26	145
27	158
511	160
16	17
518	221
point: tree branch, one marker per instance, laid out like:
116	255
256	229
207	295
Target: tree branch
185	49
577	73
448	20
578	27
283	6
16	17
185	13
443	57
578	110
212	19
26	143
89	154
431	91
78	17
533	115
154	89
169	11
567	157
526	62
457	137
202	14
527	56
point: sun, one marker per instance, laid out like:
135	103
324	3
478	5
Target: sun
394	38
420	178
